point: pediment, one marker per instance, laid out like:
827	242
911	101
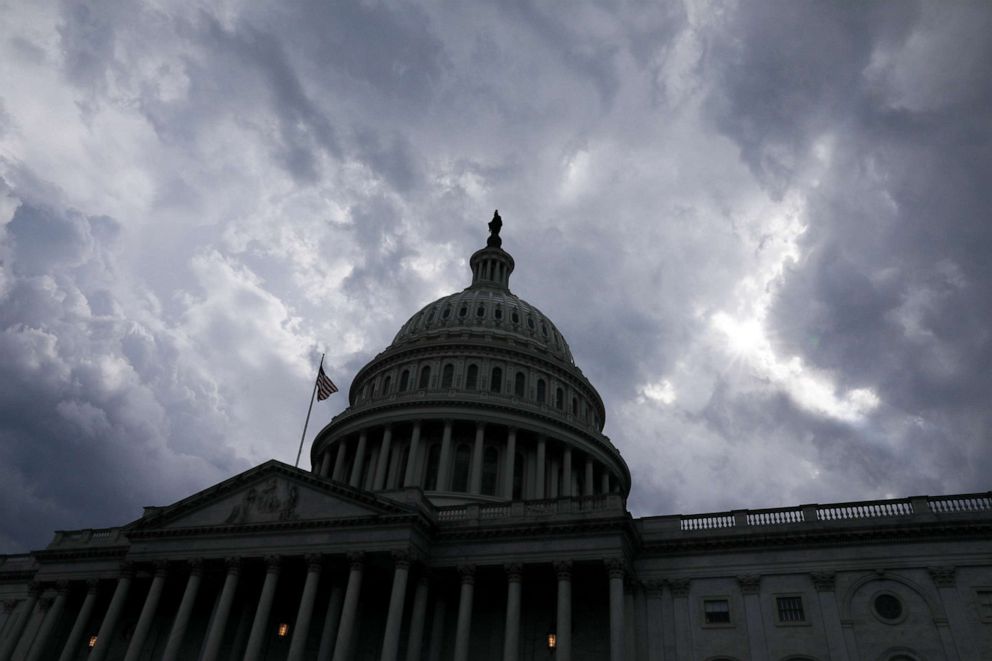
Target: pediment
268	494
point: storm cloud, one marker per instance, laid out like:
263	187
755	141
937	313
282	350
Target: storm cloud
762	227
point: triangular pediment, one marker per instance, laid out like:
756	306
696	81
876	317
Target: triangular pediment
269	494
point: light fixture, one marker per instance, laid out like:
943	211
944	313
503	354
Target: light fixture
552	641
92	642
283	630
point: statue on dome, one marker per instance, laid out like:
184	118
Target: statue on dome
494	227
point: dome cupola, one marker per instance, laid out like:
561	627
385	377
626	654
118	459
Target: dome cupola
477	398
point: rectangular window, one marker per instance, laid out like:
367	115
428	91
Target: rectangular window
716	611
790	609
984	605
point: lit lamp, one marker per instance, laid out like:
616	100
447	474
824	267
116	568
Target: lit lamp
92	642
552	641
282	630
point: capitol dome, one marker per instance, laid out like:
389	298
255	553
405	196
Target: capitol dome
477	398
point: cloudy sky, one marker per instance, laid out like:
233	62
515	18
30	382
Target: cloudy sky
762	226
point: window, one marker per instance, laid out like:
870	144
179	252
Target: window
447	375
463	310
541	388
480	311
530	323
559	399
716	611
519	382
887	607
575	406
983	597
498	313
490	466
496	382
472	377
447	312
385	384
790	609
404	380
401	467
433	461
518	476
430	317
425	377
463	455
515	316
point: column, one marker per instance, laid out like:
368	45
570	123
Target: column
330	631
215	636
824	582
751	588
325	463
640	622
615	568
338	473
566	473
444	469
52	608
8	614
356	466
511	635
175	642
437	629
42	640
350	610
416	640
464	626
253	652
298	646
105	636
564	644
383	464
411	478
587	483
17	629
509	462
30	636
540	470
475	474
394	616
79	626
957	634
553	490
656	641
147	612
604	487
629	634
679	587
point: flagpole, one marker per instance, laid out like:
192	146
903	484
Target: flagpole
312	395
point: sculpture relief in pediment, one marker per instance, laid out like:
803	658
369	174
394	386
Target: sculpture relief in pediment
273	500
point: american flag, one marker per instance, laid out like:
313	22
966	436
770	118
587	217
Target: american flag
325	387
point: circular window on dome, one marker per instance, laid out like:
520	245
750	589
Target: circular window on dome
446	313
515	317
888	608
498	312
544	330
430	317
530	323
480	311
463	310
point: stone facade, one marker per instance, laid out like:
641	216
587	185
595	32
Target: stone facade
468	506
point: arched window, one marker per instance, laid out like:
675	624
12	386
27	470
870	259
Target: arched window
425	377
404	380
541	391
385	384
559	399
575	406
433	460
447	375
480	311
519	384
498	313
366	391
496	382
459	477
463	310
472	377
490	468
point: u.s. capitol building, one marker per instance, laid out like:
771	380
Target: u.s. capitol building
467	506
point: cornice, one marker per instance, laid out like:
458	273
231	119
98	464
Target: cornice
379	520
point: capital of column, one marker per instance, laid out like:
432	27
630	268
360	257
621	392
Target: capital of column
480	424
356	560
514	572
9	605
749	583
943	577
679	586
196	567
161	568
233	565
823	581
45	603
654	589
62	586
315	561
273	563
467	573
402	559
563	569
91	585
615	567
35	589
